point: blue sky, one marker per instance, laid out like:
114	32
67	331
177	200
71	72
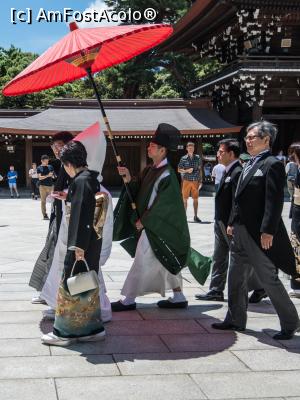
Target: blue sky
40	35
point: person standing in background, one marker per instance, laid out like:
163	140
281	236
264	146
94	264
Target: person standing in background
207	168
34	180
217	173
190	169
45	175
12	177
291	174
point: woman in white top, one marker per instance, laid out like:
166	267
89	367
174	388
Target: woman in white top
34	180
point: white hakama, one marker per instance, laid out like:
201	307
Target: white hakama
147	274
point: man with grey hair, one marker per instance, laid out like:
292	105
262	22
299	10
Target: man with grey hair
260	242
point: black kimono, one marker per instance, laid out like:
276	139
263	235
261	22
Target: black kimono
295	233
79	315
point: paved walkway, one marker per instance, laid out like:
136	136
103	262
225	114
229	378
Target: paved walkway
149	354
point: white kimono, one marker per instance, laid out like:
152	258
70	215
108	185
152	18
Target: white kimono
147	274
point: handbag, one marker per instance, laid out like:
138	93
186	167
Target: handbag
82	282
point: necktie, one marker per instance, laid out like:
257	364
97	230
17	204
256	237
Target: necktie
248	166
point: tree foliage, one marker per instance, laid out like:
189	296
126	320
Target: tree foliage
12	62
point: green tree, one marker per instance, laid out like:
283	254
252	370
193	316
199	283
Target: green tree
12	62
208	149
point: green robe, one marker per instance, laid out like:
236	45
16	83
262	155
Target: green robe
164	222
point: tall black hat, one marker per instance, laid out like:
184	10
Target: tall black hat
167	135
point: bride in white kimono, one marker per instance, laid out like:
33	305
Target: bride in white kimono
95	144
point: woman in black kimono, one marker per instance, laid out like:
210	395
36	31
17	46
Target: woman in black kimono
295	213
78	317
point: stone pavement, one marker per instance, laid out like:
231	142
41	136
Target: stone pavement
149	354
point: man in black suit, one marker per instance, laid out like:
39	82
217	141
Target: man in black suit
259	235
228	155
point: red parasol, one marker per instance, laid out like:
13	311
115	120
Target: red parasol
94	48
83	52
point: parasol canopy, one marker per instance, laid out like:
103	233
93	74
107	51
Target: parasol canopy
92	49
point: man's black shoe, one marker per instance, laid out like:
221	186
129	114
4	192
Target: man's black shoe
46	217
213	296
118	306
286	334
197	219
224	326
257	296
171	304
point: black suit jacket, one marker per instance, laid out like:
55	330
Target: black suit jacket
225	194
258	205
61	183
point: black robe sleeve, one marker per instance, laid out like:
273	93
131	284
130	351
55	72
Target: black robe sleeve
82	214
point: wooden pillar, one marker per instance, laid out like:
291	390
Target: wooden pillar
199	150
143	154
28	159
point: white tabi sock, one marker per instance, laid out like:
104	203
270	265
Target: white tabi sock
128	300
178	297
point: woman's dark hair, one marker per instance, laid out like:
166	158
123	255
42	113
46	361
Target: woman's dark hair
231	145
294	150
63	136
74	153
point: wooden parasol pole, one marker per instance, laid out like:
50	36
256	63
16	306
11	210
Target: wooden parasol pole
112	141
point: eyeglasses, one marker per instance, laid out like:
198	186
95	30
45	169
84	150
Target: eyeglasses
221	151
250	138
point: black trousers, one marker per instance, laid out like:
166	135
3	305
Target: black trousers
220	262
247	257
34	188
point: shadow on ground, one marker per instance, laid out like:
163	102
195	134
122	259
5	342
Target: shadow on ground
159	335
